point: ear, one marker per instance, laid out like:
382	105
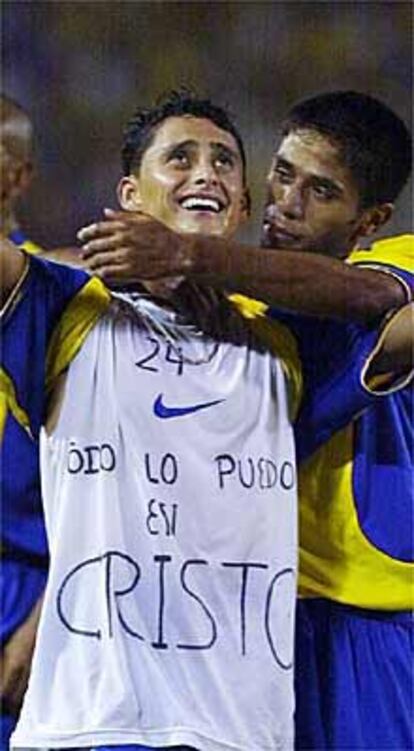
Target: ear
246	205
374	218
18	178
25	177
129	194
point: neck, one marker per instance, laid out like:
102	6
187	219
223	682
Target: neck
8	221
163	289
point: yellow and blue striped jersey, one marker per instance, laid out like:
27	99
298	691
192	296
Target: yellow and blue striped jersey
18	237
278	339
44	323
356	476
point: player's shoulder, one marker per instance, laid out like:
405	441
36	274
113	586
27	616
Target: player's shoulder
47	288
19	238
279	340
397	252
248	307
55	276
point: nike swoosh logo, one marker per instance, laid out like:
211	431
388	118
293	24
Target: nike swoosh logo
161	410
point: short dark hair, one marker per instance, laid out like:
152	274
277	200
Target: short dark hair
374	142
141	129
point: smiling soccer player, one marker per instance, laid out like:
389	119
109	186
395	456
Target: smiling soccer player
341	163
168	614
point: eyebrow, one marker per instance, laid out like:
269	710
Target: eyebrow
215	145
325	182
225	147
179	145
280	160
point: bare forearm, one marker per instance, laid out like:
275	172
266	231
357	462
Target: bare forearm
126	248
16	661
304	282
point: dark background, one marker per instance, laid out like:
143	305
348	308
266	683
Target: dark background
81	68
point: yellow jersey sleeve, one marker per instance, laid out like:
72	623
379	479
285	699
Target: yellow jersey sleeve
9	403
31	248
279	340
82	313
393	251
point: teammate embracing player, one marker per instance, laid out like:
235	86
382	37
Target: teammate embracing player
341	163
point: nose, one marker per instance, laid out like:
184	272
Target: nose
204	173
291	202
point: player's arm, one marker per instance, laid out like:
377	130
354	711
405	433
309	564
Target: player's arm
393	357
15	661
129	247
348	368
12	268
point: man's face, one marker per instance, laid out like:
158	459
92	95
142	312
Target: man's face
313	201
8	171
15	178
190	178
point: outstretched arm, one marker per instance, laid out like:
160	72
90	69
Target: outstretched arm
131	247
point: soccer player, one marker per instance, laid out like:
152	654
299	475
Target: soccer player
354	661
170	510
341	163
17	164
17	168
43	296
24	548
169	490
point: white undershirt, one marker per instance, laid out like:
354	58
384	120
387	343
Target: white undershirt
168	616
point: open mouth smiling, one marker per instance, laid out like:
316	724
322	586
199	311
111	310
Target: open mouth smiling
207	204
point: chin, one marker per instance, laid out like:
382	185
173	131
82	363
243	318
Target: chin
204	227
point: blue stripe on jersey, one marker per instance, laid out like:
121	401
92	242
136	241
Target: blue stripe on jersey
333	354
26	331
21	585
18	237
384	443
44	295
22	515
383	474
381	455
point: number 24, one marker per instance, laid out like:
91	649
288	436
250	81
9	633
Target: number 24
173	355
